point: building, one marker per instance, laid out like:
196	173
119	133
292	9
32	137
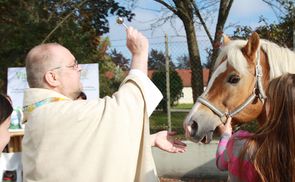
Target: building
185	75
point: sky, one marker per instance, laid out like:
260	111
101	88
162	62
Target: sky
243	12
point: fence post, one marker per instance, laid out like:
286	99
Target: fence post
167	82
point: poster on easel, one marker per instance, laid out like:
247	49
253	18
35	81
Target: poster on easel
17	83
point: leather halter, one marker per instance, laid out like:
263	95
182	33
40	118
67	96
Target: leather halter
258	92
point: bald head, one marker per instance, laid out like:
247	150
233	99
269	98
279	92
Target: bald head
38	61
52	66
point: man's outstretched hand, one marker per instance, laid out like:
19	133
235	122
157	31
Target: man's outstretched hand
164	140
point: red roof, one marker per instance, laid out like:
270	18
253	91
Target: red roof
185	75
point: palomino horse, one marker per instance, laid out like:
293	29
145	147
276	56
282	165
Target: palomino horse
241	74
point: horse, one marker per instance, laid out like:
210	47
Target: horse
242	72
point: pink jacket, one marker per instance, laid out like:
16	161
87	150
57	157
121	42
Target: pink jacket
227	157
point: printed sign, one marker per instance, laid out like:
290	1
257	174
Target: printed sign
17	83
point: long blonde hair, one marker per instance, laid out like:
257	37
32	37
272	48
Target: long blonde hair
274	142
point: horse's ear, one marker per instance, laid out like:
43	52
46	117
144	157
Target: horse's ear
252	45
226	39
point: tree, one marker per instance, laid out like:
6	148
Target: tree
119	59
76	24
184	10
157	60
286	26
187	11
224	8
110	74
280	33
176	86
91	14
183	62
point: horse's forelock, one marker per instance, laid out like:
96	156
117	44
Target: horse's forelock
234	56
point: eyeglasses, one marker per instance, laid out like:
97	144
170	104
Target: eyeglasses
75	66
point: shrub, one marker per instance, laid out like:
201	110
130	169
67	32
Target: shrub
176	86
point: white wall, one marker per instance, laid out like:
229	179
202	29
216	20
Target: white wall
187	96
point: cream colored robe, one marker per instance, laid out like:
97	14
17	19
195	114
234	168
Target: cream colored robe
104	140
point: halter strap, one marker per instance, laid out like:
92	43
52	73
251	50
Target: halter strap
226	114
258	91
258	75
32	107
211	106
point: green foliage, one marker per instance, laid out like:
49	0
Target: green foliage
183	106
157	60
24	24
281	33
93	13
251	126
119	59
176	86
111	77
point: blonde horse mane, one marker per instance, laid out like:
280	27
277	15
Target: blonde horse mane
281	60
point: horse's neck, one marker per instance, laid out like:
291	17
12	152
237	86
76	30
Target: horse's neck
281	60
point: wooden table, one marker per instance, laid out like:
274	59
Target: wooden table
15	144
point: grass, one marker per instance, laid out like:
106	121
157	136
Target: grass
183	106
158	122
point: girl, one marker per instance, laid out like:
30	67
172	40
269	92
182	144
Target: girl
5	112
268	154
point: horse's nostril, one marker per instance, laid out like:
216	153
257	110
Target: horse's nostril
194	128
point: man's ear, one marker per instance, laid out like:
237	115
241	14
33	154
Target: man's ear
51	78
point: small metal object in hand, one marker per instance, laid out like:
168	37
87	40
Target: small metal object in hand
120	21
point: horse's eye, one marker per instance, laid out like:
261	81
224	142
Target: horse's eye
233	79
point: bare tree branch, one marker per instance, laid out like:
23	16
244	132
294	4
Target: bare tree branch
224	8
198	14
62	21
273	5
280	6
208	4
167	6
162	21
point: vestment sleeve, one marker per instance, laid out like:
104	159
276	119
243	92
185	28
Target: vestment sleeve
153	96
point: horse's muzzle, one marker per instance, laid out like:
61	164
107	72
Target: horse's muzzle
197	131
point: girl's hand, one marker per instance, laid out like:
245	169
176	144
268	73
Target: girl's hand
226	128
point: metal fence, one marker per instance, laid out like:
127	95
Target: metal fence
175	50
